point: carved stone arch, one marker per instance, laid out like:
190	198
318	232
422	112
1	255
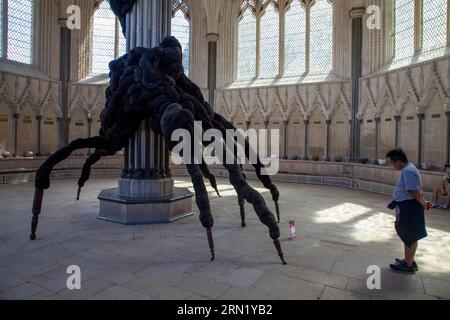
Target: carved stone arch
183	6
266	3
386	98
340	101
5	92
433	87
298	105
408	91
49	102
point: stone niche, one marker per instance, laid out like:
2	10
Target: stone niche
49	131
368	135
317	134
276	146
296	135
409	131
435	133
339	134
387	129
26	130
78	128
5	128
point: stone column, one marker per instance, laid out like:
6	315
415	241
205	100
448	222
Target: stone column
360	133
448	134
286	139
15	128
328	142
377	140
421	117
146	192
64	77
89	132
212	66
398	120
306	140
356	15
38	135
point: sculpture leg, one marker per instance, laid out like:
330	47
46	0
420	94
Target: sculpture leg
241	202
175	118
42	181
208	175
86	172
222	124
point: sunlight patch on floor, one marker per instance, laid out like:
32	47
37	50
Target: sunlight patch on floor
342	213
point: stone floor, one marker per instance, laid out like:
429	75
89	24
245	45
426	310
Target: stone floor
342	233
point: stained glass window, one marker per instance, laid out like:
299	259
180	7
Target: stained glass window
181	30
404	29
434	24
108	42
270	42
295	39
321	54
20	31
247	46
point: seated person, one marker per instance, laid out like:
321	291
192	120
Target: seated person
443	190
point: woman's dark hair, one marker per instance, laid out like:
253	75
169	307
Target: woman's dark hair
397	155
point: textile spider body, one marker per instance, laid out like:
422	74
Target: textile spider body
150	83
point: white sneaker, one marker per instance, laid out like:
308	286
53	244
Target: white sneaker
445	207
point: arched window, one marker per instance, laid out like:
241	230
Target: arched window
295	39
108	42
404	28
181	30
247	45
270	42
321	56
434	31
19	30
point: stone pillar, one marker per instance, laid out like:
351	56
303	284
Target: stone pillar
377	140
398	120
15	128
360	133
286	139
89	132
64	77
356	15
421	117
212	66
146	192
328	142
306	140
38	135
448	134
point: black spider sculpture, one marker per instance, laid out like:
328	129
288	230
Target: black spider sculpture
150	83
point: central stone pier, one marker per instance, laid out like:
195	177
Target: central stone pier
146	192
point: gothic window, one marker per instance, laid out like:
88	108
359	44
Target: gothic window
404	28
247	45
108	41
295	39
19	15
307	40
270	42
434	31
181	29
321	49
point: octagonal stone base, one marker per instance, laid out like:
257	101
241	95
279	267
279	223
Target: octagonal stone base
151	210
